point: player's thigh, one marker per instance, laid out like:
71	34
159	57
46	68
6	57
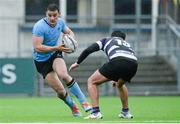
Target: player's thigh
59	66
97	78
53	80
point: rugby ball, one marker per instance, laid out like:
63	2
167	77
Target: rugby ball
70	43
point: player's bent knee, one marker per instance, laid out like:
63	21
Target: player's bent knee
89	80
120	83
62	94
92	82
65	77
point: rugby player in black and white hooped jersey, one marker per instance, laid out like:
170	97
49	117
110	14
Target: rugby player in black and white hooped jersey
120	68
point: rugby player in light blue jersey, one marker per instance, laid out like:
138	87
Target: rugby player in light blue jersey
121	68
49	60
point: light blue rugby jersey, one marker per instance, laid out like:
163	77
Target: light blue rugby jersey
50	36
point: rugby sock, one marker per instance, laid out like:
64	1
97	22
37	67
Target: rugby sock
75	90
95	109
68	100
125	109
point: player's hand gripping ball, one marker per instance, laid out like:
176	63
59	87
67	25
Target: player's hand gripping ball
70	43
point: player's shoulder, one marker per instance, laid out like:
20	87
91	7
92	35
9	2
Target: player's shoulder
102	42
105	39
39	23
39	26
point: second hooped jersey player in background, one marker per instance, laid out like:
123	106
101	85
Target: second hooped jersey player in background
121	68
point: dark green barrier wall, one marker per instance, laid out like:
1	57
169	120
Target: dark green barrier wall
16	76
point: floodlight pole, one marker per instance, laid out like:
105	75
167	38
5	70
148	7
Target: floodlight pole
62	8
94	12
178	70
138	23
154	25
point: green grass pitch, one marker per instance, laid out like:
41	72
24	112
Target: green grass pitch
150	109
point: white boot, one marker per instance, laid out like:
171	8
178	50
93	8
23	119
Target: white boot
97	115
126	115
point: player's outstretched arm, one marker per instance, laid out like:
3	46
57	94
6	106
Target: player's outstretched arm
94	47
73	66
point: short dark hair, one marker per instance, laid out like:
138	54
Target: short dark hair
52	7
118	34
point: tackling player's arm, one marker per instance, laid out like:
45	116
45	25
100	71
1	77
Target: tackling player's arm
39	47
93	48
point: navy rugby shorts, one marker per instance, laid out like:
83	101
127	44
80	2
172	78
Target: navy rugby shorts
119	68
45	67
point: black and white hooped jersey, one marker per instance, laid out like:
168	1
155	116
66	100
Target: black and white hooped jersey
113	47
116	47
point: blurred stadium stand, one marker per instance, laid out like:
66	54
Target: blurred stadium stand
155	35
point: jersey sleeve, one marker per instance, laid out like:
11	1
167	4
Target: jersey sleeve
64	26
38	30
101	43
